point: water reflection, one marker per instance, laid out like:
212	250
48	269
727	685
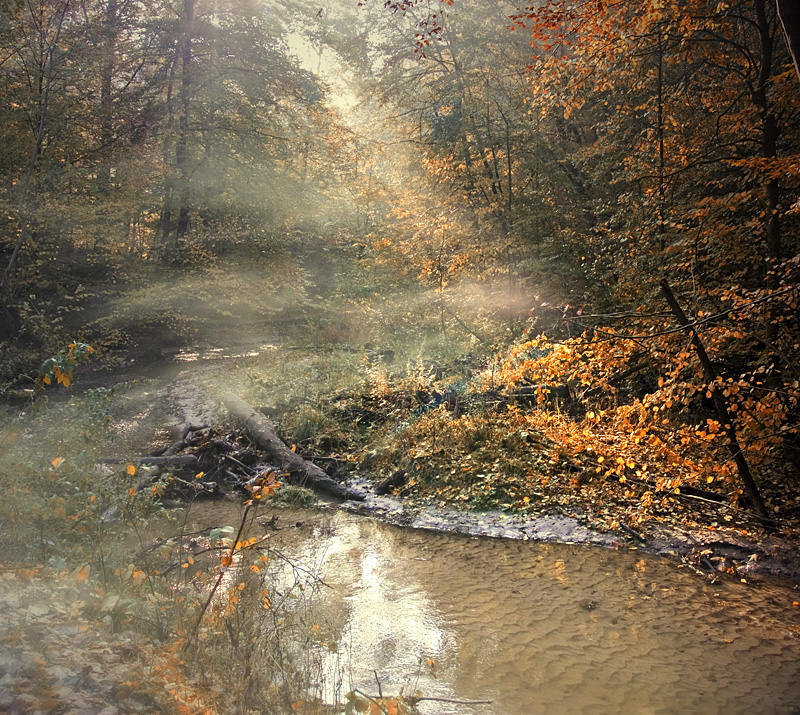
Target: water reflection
550	629
542	628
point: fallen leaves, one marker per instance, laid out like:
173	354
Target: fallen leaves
61	660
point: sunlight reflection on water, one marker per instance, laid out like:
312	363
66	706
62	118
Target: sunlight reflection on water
540	628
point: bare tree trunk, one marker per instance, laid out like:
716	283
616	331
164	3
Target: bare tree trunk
770	131
181	159
106	96
789	14
725	418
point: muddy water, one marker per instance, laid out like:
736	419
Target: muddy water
542	628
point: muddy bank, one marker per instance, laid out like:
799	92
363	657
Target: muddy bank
708	551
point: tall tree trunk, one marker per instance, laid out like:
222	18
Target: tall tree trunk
169	181
110	34
661	161
509	165
770	131
181	159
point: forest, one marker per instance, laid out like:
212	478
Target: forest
479	257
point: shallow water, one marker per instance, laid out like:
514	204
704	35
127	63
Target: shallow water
540	628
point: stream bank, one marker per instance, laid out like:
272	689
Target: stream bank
187	392
530	623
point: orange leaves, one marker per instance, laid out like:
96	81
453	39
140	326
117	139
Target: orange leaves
187	697
264	485
359	703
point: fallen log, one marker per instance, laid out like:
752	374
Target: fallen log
263	433
399	478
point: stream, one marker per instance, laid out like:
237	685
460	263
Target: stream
533	627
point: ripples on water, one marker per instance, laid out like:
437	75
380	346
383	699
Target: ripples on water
538	628
550	629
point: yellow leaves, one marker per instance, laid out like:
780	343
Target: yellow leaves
131	469
57	462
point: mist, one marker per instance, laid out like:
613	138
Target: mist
270	267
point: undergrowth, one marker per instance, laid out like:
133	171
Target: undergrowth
545	425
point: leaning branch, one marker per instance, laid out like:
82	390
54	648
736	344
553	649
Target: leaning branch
748	482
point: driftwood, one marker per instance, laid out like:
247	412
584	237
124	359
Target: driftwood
263	433
399	478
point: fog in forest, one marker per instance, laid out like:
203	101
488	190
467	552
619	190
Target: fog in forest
527	271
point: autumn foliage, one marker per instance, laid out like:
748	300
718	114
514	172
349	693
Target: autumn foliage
648	141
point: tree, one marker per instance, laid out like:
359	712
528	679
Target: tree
676	126
133	126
